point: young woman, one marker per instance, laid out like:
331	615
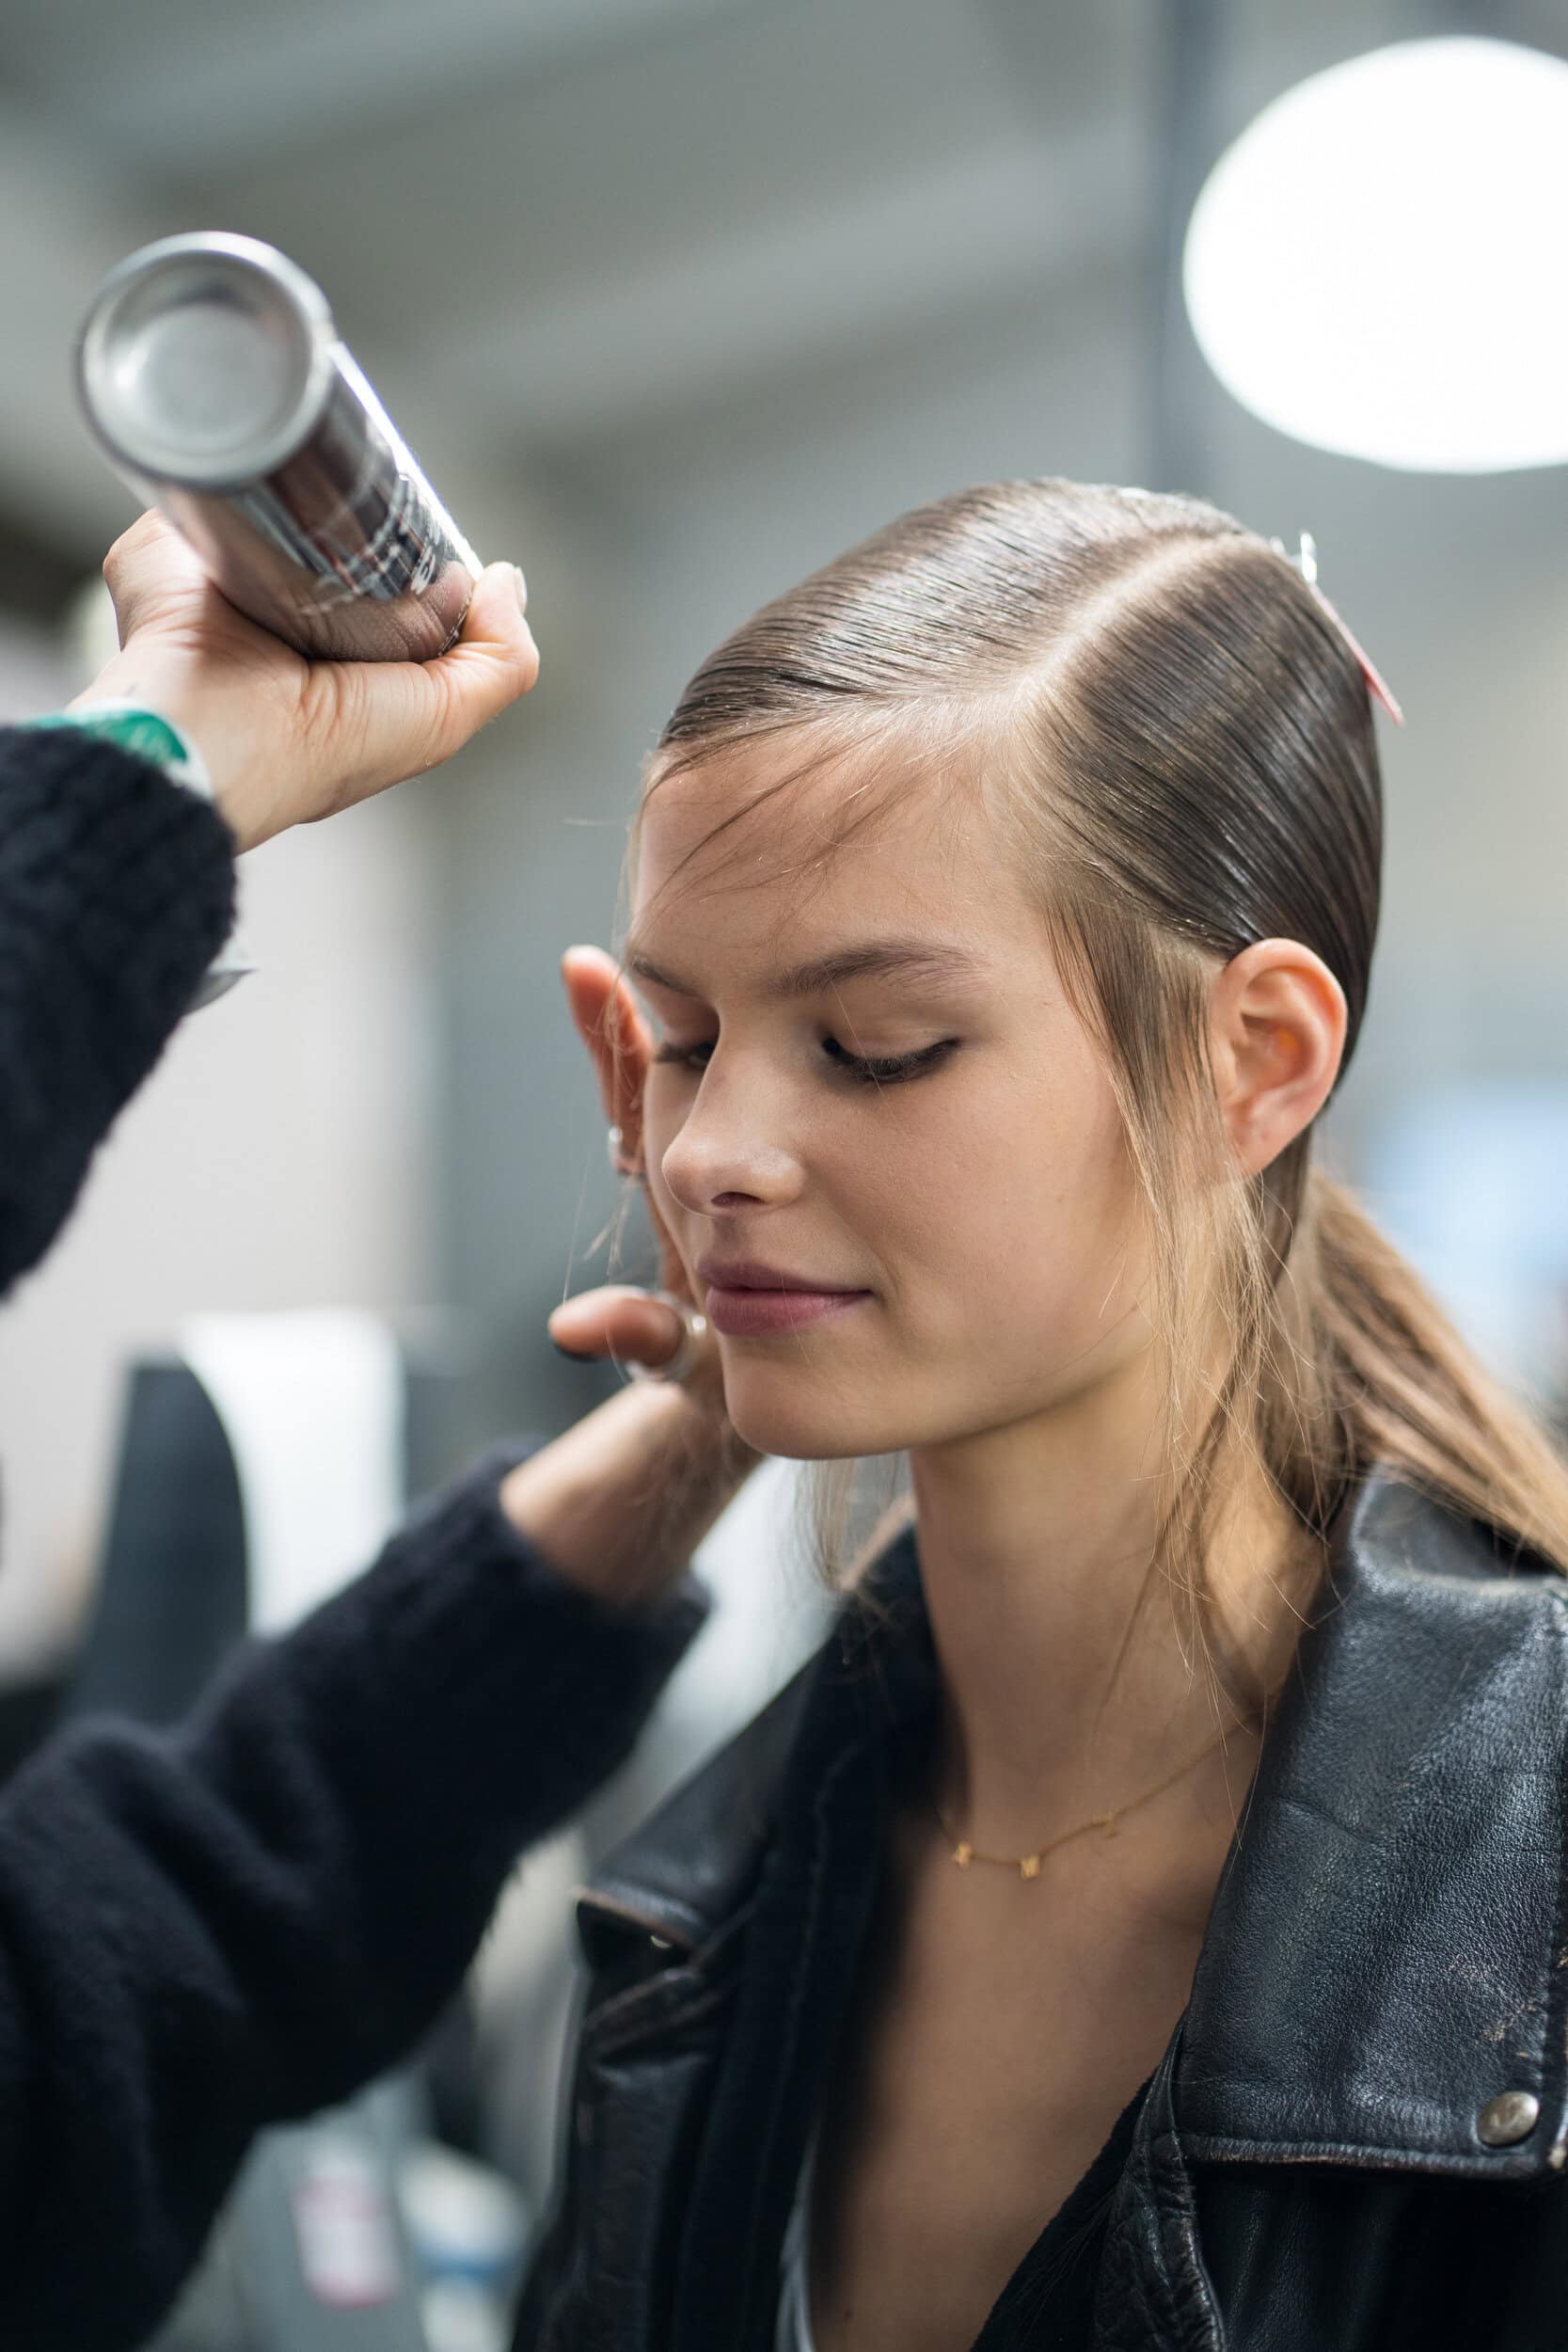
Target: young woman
1142	1923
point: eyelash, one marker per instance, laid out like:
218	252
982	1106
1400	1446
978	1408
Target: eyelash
892	1070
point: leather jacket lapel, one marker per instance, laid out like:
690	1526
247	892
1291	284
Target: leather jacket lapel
783	1841
1154	2294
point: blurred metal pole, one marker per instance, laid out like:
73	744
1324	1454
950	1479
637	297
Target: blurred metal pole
1190	47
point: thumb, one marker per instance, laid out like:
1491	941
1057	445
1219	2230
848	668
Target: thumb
409	716
493	662
618	1321
629	1325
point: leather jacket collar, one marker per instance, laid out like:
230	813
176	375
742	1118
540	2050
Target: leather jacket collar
1388	1951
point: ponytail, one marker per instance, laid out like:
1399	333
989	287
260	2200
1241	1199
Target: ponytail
1403	1388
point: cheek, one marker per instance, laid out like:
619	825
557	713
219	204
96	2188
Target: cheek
1017	1214
1013	1162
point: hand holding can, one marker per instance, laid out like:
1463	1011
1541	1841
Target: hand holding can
285	741
315	624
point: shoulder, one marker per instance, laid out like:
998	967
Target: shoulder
1380	1959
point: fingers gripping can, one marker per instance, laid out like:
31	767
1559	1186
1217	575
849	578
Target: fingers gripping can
212	375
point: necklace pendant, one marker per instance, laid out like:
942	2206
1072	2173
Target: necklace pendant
1029	1867
963	1853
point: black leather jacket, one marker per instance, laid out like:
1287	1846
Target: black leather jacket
1356	2140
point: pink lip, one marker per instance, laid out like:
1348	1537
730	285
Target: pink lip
752	1274
755	1313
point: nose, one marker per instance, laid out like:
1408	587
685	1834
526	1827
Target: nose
729	1154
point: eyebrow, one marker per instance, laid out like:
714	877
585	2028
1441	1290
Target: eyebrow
880	959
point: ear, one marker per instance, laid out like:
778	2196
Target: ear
1276	1036
616	1037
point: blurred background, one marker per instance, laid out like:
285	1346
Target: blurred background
676	299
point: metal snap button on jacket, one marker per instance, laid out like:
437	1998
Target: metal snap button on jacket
1510	2116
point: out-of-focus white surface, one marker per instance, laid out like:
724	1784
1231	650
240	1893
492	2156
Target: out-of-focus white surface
313	1404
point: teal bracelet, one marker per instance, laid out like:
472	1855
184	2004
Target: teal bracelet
138	730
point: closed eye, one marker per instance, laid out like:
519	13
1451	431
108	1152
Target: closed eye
857	1069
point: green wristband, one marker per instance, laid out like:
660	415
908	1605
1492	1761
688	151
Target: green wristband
144	732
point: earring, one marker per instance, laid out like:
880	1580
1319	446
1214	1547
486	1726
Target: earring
623	1168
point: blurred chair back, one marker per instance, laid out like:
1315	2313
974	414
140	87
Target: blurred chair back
174	1591
261	1466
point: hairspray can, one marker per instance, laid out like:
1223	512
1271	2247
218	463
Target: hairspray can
212	376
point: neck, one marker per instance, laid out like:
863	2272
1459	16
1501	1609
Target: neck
1071	1684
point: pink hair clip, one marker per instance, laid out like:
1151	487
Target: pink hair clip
1305	563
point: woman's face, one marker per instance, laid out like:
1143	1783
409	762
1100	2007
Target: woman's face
877	1132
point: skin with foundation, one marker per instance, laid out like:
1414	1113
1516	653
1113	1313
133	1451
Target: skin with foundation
871	1099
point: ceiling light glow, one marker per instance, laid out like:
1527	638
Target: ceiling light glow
1379	265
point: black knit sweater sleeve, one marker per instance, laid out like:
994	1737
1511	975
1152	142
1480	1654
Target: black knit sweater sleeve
116	889
205	1929
240	1919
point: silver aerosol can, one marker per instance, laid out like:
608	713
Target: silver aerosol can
212	374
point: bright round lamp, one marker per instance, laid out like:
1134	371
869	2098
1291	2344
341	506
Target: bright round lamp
1379	265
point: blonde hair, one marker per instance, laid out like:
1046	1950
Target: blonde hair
1180	744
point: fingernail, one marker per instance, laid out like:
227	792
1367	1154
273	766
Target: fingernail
521	585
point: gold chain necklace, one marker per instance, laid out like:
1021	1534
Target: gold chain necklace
1028	1865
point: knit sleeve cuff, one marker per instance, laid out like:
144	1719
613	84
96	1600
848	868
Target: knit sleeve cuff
120	877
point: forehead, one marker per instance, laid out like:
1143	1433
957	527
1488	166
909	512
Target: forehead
790	844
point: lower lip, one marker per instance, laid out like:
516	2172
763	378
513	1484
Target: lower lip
757	1314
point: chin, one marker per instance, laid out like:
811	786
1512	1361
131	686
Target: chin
804	1428
794	1448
